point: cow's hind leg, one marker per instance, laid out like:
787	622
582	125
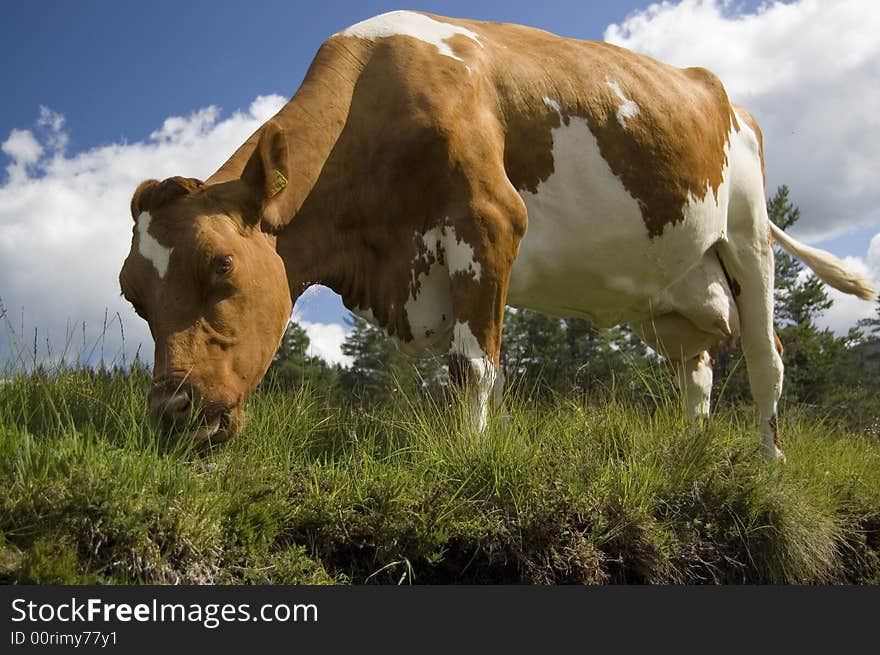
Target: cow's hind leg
694	377
748	258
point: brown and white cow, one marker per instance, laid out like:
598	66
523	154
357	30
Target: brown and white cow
432	170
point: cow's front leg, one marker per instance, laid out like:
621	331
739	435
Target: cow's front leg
479	293
471	369
475	349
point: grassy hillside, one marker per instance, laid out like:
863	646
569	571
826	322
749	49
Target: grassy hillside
571	492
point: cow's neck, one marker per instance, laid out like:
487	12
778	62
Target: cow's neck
313	119
317	112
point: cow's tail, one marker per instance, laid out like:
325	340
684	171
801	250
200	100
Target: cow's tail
826	266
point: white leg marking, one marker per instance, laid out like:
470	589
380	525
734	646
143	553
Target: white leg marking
149	248
695	381
482	372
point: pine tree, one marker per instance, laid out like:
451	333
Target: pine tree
293	367
294	344
816	361
534	353
544	354
800	298
604	357
380	371
870	327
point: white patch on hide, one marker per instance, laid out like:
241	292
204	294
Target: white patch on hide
553	105
429	309
429	305
441	242
410	23
149	248
628	108
587	251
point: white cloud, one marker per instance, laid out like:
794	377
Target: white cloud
65	226
325	341
809	71
24	150
53	122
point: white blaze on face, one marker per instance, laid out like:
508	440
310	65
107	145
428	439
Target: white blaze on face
409	23
150	248
628	108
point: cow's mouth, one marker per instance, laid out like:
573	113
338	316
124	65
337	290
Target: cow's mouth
215	428
185	415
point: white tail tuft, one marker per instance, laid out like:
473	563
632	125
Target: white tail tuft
826	266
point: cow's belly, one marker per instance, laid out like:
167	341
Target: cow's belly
606	277
587	251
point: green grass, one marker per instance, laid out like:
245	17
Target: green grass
569	492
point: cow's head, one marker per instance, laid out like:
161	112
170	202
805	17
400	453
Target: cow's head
206	277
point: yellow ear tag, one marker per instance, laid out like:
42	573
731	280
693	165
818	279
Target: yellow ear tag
278	183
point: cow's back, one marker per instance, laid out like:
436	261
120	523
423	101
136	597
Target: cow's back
619	159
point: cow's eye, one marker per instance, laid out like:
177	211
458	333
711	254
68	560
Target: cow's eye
223	264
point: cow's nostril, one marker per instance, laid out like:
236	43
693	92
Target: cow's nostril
172	411
178	404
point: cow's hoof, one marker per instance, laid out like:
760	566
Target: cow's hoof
773	454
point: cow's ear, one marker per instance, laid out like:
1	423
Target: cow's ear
268	174
141	197
152	194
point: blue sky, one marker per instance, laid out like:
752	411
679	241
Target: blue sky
97	95
116	70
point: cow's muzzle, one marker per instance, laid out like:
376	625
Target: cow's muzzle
180	410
